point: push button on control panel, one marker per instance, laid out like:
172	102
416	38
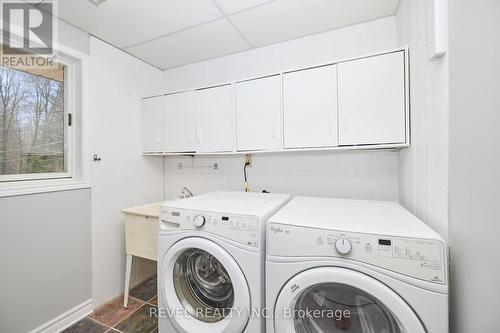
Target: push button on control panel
368	247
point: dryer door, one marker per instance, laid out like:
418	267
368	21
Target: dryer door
203	288
333	299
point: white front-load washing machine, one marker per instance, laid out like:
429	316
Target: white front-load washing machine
337	265
211	253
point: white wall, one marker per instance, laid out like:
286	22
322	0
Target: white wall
377	35
364	175
73	37
123	178
424	166
474	165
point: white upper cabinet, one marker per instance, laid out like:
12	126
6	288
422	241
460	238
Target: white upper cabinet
310	107
372	100
152	125
258	114
360	102
200	121
180	122
215	119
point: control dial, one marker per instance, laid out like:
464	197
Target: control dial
343	246
199	221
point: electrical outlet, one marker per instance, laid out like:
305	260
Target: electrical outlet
248	159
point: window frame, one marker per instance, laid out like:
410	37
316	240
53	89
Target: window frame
77	173
68	135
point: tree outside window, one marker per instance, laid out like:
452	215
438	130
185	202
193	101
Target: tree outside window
32	121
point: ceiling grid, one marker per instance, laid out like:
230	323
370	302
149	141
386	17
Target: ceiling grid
172	33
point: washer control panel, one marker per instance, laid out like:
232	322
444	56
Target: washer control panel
420	258
243	229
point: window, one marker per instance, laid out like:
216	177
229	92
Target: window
34	131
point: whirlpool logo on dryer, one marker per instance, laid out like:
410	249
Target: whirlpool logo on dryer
278	230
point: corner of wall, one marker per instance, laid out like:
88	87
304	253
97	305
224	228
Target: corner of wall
424	165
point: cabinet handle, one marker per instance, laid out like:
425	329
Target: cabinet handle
190	135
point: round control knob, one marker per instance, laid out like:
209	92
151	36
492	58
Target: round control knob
343	246
199	221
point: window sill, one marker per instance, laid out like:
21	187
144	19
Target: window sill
9	189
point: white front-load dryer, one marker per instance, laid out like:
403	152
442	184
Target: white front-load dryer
337	265
211	262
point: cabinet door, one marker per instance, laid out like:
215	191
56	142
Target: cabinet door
372	100
310	107
180	110
258	114
215	119
152	125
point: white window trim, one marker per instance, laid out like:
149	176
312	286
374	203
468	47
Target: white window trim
78	165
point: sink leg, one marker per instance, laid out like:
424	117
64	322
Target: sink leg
128	271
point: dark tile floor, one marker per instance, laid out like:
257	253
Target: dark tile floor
112	317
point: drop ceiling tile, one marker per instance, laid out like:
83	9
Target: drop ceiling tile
286	19
232	6
207	41
127	22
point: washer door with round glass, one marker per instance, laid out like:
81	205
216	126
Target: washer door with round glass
203	288
333	299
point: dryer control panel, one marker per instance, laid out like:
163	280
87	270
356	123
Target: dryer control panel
419	258
243	229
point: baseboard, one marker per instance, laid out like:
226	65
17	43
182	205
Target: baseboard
66	319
